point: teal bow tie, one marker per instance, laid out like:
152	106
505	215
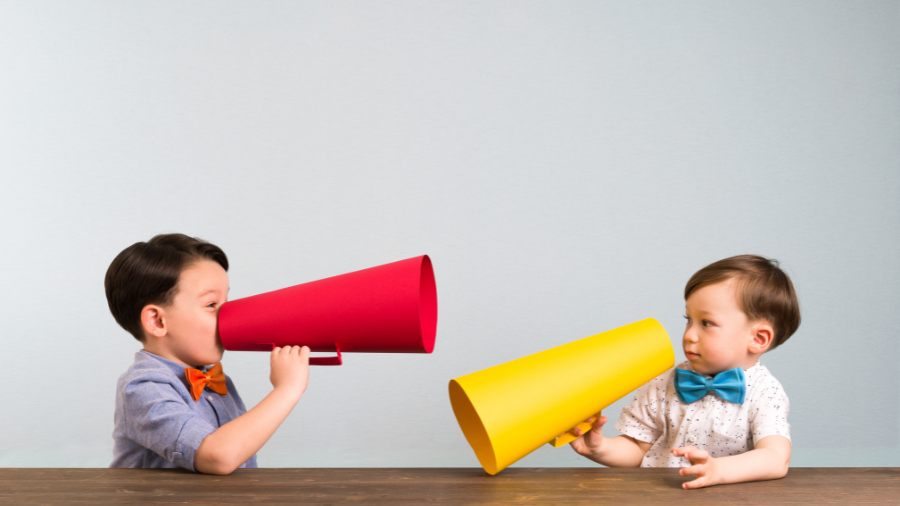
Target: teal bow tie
729	385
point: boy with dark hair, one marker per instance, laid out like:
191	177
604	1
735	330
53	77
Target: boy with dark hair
721	415
174	406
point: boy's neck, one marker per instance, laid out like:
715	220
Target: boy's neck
751	360
161	351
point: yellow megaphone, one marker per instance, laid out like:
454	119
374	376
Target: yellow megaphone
509	410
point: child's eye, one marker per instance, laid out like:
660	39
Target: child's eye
706	323
686	317
211	304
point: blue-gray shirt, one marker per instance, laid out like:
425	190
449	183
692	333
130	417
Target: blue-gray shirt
158	424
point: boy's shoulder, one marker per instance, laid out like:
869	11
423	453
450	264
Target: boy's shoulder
147	367
760	380
152	376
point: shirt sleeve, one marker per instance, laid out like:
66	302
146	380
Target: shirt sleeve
158	418
643	417
232	392
768	413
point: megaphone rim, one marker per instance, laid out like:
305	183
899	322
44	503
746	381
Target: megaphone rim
427	304
473	429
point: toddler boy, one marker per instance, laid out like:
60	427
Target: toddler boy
721	410
174	408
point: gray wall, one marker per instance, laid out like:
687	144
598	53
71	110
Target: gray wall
567	165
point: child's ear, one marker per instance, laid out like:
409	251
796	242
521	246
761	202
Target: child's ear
763	333
154	321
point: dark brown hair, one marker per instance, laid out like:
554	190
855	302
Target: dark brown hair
762	289
147	273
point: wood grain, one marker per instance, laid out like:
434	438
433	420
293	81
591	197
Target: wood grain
439	486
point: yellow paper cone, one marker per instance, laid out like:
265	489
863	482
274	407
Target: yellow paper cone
509	410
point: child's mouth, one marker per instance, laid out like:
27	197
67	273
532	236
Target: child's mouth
690	356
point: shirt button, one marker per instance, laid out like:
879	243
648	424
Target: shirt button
691	439
705	403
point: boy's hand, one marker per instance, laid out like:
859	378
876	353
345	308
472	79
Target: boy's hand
229	446
703	467
290	369
589	443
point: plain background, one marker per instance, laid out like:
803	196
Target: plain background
566	165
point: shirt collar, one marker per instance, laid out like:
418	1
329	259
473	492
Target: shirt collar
176	368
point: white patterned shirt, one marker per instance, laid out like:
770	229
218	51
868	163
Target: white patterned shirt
720	427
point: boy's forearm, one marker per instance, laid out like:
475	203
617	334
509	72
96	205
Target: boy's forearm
619	451
755	465
232	444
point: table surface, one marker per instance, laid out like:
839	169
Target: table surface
439	486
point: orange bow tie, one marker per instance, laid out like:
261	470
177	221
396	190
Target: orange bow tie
214	379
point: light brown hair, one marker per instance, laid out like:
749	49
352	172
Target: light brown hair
147	273
763	291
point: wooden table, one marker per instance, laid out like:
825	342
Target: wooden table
439	486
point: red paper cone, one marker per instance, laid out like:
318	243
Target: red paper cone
391	308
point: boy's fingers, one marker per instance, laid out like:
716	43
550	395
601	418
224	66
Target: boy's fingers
596	425
684	450
700	456
298	351
694	470
304	351
698	483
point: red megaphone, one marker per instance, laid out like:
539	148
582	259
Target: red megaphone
391	308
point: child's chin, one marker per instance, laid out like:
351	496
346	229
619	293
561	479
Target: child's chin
212	358
698	366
